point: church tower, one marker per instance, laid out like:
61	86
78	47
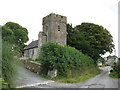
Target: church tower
54	29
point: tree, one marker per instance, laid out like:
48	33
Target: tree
111	56
92	39
14	33
101	60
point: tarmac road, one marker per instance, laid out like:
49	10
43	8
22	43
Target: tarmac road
32	80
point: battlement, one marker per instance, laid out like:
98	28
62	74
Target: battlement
55	18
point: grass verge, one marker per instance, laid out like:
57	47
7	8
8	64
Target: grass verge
75	79
114	75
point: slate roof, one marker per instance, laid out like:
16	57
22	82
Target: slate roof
33	44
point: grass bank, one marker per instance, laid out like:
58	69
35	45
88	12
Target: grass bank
78	76
114	75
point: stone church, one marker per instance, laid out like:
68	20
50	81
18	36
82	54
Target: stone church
54	30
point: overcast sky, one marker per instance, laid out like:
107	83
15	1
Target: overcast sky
29	13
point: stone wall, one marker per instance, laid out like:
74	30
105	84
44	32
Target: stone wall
32	66
31	53
35	67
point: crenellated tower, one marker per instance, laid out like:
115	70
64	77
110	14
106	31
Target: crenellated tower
54	29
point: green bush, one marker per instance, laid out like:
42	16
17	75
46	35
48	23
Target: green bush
30	59
63	58
9	64
115	73
3	84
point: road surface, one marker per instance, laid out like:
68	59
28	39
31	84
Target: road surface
32	80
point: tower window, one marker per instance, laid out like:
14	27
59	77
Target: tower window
58	28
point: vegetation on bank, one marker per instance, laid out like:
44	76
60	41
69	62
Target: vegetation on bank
9	64
3	84
115	72
36	60
13	38
67	60
78	76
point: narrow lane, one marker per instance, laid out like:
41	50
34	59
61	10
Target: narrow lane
101	81
27	78
32	80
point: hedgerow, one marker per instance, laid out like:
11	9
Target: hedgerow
115	73
63	58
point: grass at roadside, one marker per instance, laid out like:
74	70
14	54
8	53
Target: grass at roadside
114	75
82	77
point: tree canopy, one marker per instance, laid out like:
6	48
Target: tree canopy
92	39
14	33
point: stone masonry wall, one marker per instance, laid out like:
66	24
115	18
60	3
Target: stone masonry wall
32	66
35	67
31	53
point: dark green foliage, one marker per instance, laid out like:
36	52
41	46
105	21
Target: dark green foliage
115	73
92	39
63	58
19	50
0	57
14	33
0	51
9	64
108	57
101	60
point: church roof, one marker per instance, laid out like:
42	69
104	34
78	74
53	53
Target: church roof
33	44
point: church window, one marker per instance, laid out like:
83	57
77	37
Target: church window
58	28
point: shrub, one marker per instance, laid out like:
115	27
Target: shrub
30	59
3	83
116	70
9	64
63	58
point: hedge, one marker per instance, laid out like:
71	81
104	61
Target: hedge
63	58
115	73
